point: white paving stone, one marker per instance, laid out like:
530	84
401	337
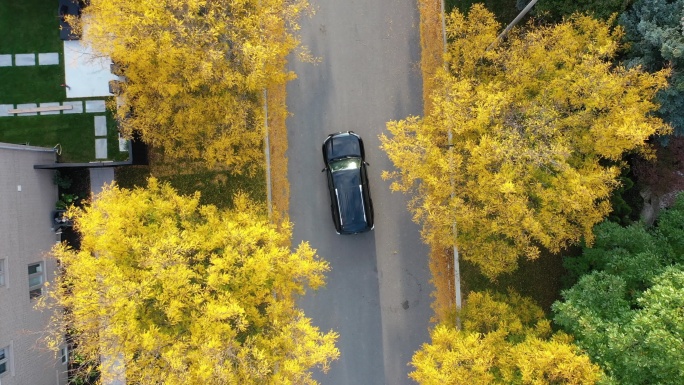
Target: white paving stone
27	105
100	125
78	107
123	144
45	59
5	60
56	104
4	108
25	59
101	148
95	106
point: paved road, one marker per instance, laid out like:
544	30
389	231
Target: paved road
378	292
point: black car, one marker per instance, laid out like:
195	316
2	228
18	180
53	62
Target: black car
350	201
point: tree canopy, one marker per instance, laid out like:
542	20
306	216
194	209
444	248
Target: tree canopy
538	125
505	340
655	36
195	70
186	294
626	308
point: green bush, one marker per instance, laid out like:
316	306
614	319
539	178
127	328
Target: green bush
62	181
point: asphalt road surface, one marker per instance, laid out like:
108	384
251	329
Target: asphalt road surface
377	295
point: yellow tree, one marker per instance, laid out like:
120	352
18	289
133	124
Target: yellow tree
539	124
181	293
195	70
505	340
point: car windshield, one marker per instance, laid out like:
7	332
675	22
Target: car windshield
345	164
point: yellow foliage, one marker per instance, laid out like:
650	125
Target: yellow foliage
512	314
195	70
505	340
538	126
189	294
539	362
454	358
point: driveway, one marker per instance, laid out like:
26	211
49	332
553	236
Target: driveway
378	292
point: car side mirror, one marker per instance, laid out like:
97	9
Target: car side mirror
367	164
324	169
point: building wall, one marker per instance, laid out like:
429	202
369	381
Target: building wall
27	200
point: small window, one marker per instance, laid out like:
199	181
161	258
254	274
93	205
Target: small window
35	273
2	272
4	360
64	354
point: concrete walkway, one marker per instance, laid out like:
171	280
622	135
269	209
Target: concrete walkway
88	74
99	177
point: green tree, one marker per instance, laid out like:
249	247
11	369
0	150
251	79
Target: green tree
195	70
187	294
654	31
538	125
626	310
505	340
635	342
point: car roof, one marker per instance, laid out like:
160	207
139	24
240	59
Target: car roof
348	189
341	145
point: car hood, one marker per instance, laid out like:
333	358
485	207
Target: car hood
344	145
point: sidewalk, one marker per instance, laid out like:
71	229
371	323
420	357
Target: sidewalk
98	177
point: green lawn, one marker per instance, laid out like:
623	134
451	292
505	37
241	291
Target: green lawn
113	140
75	133
505	10
29	26
35	84
217	187
32	26
541	279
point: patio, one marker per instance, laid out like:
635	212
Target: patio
86	74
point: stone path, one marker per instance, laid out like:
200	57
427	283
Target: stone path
78	106
90	107
100	137
29	59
